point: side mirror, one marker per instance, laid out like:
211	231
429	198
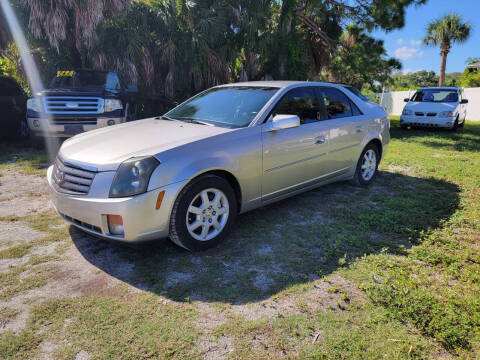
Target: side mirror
464	101
280	122
131	89
406	100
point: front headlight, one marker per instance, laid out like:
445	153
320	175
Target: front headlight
407	112
34	104
446	114
132	176
112	105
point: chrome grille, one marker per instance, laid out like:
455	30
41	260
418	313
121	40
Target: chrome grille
71	105
72	179
76	121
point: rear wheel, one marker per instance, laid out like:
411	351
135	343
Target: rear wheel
203	213
367	166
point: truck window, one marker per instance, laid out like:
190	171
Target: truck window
113	82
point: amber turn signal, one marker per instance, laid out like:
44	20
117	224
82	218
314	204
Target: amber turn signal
160	199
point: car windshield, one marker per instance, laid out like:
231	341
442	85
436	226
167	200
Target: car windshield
79	79
435	95
356	92
233	106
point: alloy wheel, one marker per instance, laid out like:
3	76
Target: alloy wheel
369	164
207	214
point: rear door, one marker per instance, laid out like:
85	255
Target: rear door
347	128
290	154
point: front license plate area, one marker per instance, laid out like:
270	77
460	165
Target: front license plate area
73	129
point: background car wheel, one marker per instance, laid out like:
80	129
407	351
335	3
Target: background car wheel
203	213
455	125
367	166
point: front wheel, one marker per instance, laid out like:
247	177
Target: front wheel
367	166
203	213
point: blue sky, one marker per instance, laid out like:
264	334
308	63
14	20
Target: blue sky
405	44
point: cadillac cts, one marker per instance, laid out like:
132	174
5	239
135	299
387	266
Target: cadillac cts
230	149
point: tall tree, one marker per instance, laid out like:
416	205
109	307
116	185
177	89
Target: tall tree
444	32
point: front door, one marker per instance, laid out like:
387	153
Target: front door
290	154
347	128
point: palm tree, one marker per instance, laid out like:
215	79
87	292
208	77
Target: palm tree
445	31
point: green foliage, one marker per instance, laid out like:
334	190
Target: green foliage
361	59
470	78
175	48
10	66
413	81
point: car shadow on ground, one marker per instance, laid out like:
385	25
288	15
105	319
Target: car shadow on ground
291	242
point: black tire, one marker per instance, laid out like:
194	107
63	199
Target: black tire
358	179
403	127
462	125
37	142
455	125
179	233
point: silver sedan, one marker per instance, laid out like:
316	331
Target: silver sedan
230	149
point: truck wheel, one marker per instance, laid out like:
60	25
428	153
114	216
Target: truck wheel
37	142
203	213
130	112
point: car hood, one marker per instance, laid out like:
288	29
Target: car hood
107	147
430	106
80	91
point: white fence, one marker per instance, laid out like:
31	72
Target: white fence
393	102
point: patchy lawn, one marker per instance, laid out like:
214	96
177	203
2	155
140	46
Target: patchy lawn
391	271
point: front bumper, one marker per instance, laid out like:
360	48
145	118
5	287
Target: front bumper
44	127
142	222
426	121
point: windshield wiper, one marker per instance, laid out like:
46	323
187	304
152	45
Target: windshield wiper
195	121
163	117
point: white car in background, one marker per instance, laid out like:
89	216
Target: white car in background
443	107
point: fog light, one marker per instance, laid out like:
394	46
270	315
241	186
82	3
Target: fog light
36	123
115	224
111	122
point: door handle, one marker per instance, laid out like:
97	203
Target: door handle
320	139
359	129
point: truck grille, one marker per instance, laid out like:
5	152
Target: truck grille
72	105
79	121
72	179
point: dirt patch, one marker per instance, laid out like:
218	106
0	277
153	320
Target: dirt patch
212	349
15	232
332	294
209	317
22	194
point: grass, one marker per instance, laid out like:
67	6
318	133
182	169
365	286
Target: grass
391	271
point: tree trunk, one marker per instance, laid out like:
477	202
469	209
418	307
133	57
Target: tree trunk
444	49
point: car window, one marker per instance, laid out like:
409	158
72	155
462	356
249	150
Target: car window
229	106
113	82
302	102
435	95
336	103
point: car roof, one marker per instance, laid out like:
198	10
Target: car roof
280	83
439	88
